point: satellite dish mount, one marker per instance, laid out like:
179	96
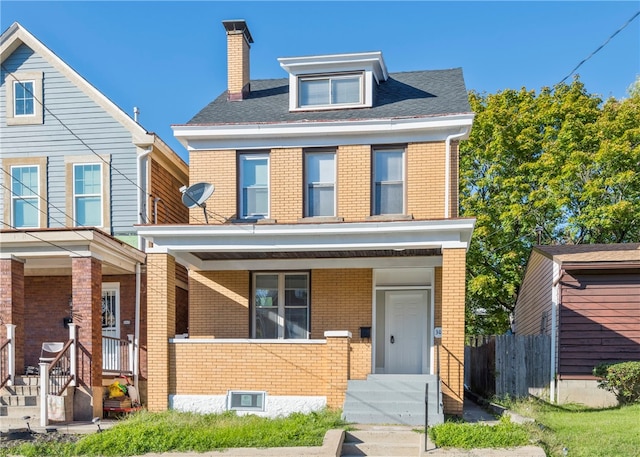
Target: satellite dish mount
197	195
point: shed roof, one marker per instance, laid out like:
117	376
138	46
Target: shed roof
595	253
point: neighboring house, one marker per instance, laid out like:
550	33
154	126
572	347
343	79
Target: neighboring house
77	174
333	254
587	298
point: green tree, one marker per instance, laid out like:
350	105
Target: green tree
561	165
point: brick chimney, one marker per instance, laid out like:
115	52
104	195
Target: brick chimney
238	45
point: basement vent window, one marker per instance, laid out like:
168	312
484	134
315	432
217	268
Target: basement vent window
246	401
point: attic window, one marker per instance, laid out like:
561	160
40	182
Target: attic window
331	90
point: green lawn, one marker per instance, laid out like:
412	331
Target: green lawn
173	431
585	432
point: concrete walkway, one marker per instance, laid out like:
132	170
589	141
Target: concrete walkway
365	440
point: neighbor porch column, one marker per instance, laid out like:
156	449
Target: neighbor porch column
12	304
161	325
86	287
452	322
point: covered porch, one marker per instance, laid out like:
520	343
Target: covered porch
80	288
283	316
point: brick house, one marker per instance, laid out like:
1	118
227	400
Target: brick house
586	297
333	260
77	174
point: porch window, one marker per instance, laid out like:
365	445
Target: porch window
25	204
254	186
388	191
320	176
281	305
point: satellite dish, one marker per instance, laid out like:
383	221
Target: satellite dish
197	195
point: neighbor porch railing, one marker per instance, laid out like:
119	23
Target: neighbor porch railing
118	355
8	358
56	376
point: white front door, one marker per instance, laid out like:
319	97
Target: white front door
110	326
406	331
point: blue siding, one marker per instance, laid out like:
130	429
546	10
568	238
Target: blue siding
73	125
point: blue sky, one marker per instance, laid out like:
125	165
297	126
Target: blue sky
169	58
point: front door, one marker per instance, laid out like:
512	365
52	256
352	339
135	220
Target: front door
406	331
110	326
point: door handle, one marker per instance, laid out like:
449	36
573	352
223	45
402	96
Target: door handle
393	340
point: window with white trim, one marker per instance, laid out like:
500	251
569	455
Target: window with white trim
330	90
23	99
320	184
281	305
87	194
25	202
254	186
388	187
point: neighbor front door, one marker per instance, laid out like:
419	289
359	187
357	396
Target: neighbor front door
110	326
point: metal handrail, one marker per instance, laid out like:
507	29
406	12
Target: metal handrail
5	376
60	375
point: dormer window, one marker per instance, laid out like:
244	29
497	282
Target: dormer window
337	81
332	90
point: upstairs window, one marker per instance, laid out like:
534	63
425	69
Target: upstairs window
281	305
87	194
25	203
332	90
254	186
388	191
320	184
23	100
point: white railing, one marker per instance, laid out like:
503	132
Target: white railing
118	355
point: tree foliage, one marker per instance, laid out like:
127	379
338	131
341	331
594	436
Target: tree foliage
562	161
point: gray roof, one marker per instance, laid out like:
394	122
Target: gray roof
403	95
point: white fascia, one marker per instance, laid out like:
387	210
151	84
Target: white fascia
334	63
321	133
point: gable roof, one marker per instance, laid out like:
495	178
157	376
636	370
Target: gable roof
16	35
592	253
404	95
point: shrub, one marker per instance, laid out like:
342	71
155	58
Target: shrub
623	379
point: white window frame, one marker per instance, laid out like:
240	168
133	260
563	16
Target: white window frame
308	184
98	194
35	197
30	96
330	78
282	306
374	182
245	157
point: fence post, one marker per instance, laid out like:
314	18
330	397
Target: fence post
131	354
11	353
44	390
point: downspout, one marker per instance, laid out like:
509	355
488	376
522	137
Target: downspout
136	332
142	191
555	300
447	169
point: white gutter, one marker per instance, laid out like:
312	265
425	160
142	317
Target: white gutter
447	169
142	192
555	301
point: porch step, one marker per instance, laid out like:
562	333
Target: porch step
393	399
20	400
381	443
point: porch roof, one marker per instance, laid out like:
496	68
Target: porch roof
49	251
323	245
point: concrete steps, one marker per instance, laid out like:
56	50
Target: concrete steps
381	443
18	401
393	399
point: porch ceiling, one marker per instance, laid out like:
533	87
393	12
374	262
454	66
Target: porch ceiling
50	251
326	245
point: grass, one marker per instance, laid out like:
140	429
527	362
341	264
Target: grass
146	432
585	432
469	436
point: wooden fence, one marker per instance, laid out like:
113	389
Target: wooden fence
514	365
